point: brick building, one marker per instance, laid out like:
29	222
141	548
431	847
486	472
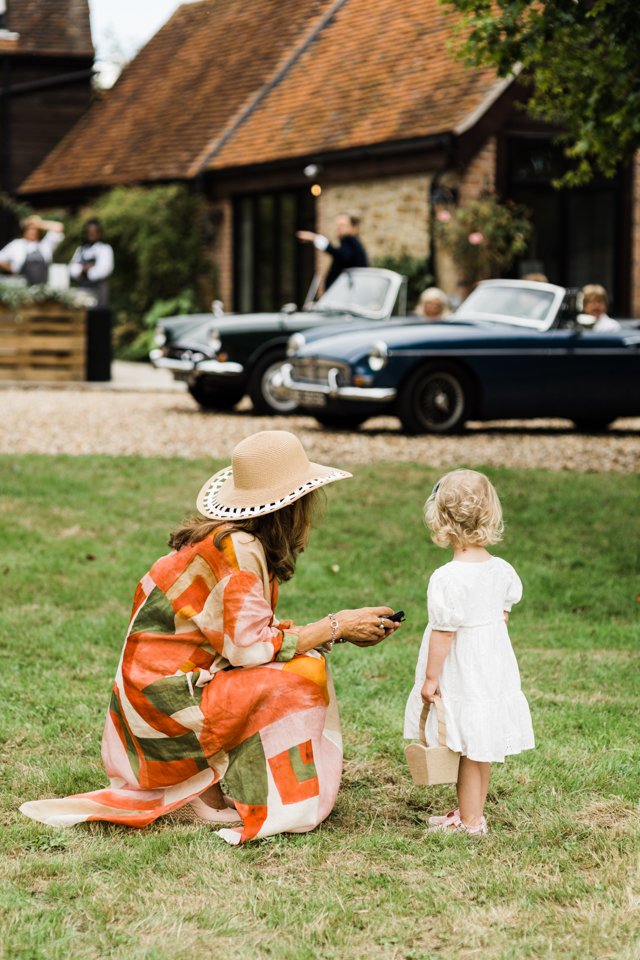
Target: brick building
241	97
46	65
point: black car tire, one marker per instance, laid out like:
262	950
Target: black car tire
214	397
337	421
264	392
435	399
593	425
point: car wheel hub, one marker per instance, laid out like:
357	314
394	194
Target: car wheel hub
274	391
440	401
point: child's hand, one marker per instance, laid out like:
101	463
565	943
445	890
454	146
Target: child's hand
430	690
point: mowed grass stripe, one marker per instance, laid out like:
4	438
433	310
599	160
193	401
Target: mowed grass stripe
557	877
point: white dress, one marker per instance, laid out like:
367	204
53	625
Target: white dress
486	712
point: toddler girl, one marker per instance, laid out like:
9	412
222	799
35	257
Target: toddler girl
466	656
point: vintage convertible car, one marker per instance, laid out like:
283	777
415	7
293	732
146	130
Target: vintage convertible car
223	356
513	349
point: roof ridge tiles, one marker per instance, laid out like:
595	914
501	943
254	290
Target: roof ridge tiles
287	61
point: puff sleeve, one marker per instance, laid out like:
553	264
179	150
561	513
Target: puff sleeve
514	589
444	604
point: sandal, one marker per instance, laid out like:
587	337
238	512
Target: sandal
452	825
452	815
202	811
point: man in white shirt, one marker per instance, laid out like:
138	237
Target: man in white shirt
29	256
92	263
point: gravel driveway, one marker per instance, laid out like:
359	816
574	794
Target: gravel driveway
167	423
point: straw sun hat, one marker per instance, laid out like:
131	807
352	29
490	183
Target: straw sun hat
268	471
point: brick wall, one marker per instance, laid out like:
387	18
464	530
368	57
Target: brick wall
475	179
394	212
219	251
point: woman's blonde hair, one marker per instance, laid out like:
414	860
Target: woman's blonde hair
283	534
464	509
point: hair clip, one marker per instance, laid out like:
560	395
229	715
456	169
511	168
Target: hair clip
435	489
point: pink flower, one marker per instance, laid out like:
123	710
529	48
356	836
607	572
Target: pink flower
443	216
476	238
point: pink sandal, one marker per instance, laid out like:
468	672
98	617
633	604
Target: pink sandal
455	825
453	815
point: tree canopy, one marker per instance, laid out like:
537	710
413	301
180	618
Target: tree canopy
580	58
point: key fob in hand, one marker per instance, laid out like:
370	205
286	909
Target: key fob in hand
397	617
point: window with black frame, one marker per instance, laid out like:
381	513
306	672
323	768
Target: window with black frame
270	267
577	232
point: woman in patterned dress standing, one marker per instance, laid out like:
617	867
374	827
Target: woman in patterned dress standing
210	684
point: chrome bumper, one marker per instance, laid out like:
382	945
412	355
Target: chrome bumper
228	369
333	391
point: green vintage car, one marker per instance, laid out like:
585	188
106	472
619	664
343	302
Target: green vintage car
222	356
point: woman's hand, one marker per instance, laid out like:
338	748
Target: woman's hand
430	691
366	626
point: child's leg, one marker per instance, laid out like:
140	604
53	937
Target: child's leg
473	783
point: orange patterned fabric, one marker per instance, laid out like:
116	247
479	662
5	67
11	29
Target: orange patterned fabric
209	687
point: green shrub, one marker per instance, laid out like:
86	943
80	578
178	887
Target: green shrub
415	269
156	235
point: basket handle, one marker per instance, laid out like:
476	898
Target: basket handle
442	728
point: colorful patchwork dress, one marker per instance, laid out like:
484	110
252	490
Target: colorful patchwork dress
209	687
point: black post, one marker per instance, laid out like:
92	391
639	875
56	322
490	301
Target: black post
98	365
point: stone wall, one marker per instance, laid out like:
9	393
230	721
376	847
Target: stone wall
394	213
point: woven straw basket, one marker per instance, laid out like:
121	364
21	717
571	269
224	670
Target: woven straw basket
432	765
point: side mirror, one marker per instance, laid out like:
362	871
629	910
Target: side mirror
217	308
289	308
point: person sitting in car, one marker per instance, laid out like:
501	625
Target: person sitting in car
594	310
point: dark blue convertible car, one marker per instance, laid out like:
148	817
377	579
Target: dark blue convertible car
513	349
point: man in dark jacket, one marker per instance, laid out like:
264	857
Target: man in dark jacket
349	252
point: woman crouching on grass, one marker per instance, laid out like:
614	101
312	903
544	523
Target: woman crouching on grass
466	658
210	685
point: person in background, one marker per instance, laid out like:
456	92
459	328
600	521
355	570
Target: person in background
594	310
29	256
349	252
92	263
433	305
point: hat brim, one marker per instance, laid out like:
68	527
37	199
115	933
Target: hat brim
220	500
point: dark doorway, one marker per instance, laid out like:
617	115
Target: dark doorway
271	267
580	235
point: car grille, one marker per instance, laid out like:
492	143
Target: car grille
314	370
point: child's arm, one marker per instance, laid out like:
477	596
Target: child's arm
439	645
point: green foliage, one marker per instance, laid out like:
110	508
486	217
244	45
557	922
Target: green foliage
557	876
581	59
415	269
484	236
156	236
13	296
139	349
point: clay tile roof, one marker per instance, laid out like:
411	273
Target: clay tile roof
381	71
178	95
48	27
228	83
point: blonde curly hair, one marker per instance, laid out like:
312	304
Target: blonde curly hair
464	508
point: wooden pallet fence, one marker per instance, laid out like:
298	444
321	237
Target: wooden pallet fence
45	342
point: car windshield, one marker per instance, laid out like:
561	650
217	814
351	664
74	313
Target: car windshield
356	293
523	303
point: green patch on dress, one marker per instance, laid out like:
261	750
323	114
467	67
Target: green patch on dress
156	615
132	753
303	771
246	776
171	694
185	747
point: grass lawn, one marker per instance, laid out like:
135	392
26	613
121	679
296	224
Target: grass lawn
557	878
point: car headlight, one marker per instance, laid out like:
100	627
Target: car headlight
213	340
159	337
378	356
295	342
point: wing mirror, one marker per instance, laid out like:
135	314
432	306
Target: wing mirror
289	308
217	308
